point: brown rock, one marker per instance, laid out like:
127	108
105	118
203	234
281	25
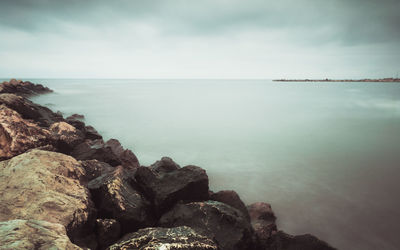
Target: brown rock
283	241
34	234
45	185
18	135
108	231
263	221
231	198
66	136
29	110
23	88
183	238
95	168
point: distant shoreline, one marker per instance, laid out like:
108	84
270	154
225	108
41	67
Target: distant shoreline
345	80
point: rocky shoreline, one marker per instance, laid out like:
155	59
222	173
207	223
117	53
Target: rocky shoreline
63	187
344	80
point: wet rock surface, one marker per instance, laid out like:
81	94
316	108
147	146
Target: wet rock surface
231	198
183	238
216	220
34	234
263	221
165	188
283	241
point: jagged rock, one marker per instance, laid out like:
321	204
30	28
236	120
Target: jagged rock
164	165
127	157
66	136
95	168
110	152
116	198
29	110
76	117
23	88
77	123
263	221
231	198
17	135
183	238
45	185
92	134
214	219
164	189
108	231
34	234
283	241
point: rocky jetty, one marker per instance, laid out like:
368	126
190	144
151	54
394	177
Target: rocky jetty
63	187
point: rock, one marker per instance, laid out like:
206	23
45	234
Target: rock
95	168
66	136
283	241
214	219
76	117
108	231
78	124
164	165
263	221
231	198
44	185
29	110
183	238
95	149
189	183
127	157
18	135
34	234
92	134
110	152
116	198
23	88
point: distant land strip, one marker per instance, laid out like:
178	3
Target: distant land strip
345	80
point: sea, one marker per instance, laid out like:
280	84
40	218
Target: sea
326	156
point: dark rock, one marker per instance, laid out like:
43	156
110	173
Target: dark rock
189	183
95	168
29	110
283	241
66	136
22	88
116	198
127	157
164	165
78	124
108	231
214	219
183	238
263	221
231	198
92	134
95	149
76	117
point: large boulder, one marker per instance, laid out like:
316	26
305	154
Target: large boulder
110	152
29	110
95	168
116	198
214	219
231	198
44	185
66	136
183	238
263	221
164	165
17	135
23	88
165	188
284	241
34	234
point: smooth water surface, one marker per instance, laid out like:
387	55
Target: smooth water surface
325	155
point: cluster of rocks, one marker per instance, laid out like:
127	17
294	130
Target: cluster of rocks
63	187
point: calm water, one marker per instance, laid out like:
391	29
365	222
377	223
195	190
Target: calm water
325	155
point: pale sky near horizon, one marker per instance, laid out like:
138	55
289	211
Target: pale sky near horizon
199	39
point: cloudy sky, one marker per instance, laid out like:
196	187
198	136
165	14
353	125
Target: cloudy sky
199	38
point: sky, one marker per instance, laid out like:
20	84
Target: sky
199	39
